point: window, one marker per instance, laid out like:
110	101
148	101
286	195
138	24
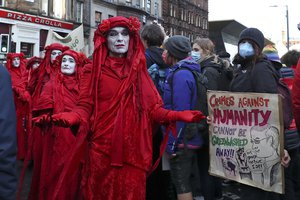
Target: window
138	4
156	13
44	7
79	12
58	9
98	17
148	8
128	2
2	2
171	10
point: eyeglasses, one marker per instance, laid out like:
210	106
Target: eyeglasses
257	141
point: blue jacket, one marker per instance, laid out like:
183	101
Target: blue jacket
184	98
8	147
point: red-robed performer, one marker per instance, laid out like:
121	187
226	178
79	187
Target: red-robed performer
32	65
16	65
42	87
60	140
123	104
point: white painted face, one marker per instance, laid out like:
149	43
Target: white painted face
68	65
54	54
16	62
118	41
35	65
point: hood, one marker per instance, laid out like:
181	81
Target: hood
154	54
212	61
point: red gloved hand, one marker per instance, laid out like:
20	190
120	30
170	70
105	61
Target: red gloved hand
42	120
186	116
66	119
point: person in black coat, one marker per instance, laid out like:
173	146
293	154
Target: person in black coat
255	74
8	146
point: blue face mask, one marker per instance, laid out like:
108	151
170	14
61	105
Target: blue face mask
246	50
196	55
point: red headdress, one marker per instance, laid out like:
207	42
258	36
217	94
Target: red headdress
32	60
11	56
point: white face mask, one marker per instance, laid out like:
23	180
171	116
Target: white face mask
118	41
54	54
16	62
68	65
35	65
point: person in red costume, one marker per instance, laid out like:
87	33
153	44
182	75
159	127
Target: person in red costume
123	104
16	65
42	85
31	65
296	95
59	141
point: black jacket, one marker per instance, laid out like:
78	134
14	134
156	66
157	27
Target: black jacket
261	78
8	148
154	55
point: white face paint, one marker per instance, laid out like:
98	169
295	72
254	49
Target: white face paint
35	65
16	62
68	65
54	54
118	41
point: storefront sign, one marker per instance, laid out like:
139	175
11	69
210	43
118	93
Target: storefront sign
246	138
34	19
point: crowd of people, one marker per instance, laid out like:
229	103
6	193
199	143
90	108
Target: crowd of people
121	126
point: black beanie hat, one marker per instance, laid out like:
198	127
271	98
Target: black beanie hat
178	46
254	35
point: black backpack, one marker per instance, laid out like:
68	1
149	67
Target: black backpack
191	129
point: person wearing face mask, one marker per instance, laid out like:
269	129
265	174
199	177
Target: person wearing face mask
59	140
122	104
16	65
255	74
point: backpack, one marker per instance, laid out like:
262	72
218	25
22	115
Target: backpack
284	91
191	129
287	109
158	77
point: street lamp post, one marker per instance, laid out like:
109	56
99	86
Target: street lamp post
287	26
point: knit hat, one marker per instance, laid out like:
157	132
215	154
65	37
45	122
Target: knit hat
254	35
271	53
178	46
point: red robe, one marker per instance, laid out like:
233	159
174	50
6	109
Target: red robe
19	83
296	95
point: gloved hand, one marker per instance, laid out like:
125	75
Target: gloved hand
66	119
186	116
42	120
25	96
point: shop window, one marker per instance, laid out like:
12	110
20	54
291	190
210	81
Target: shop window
44	7
27	49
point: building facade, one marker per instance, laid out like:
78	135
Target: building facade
25	23
186	17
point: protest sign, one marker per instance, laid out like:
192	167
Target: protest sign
246	138
74	40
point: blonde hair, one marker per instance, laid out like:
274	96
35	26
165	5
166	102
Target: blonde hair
206	45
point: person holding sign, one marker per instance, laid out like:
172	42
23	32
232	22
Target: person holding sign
255	74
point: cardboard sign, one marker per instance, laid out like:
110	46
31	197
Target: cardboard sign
246	138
